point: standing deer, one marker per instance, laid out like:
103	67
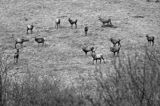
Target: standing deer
57	23
86	30
150	39
16	56
73	22
30	27
96	57
105	21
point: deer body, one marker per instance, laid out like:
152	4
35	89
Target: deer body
39	40
96	57
115	49
57	23
30	27
73	22
16	56
86	30
105	21
150	39
20	41
87	49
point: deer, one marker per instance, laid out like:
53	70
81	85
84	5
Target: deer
105	21
150	39
96	56
30	27
57	23
73	22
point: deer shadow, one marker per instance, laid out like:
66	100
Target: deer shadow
108	25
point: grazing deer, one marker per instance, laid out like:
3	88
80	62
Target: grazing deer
39	40
115	41
87	49
73	22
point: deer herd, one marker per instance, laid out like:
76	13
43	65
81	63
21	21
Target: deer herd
115	49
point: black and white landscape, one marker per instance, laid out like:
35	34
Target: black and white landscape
79	53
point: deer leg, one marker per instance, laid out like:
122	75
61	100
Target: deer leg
85	53
152	43
110	23
16	60
27	30
15	45
85	33
58	25
103	59
119	43
55	25
118	53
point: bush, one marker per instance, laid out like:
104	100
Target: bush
135	82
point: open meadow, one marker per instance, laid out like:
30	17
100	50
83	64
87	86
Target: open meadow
61	59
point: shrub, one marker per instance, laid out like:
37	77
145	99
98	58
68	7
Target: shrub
135	82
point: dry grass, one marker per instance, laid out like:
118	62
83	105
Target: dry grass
62	58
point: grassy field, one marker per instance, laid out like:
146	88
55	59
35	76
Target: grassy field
62	58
